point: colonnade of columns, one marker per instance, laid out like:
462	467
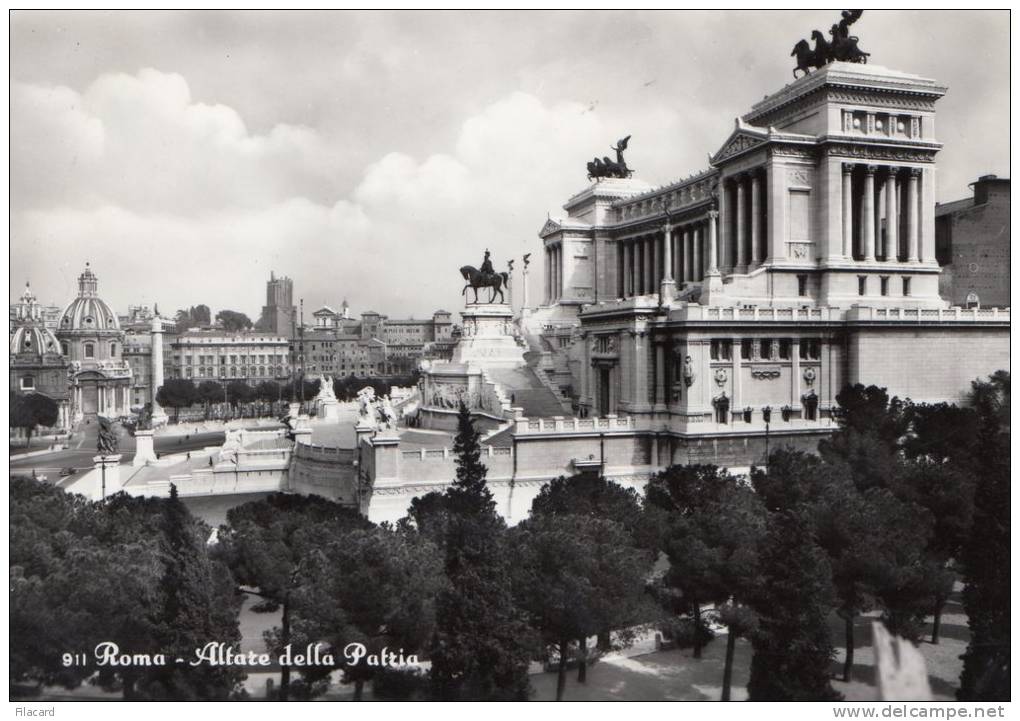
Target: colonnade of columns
553	273
746	221
684	252
881	213
110	400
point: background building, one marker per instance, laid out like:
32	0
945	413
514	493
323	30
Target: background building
250	357
972	244
29	308
36	363
92	341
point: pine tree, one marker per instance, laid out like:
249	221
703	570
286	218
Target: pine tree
792	646
986	597
199	605
470	495
482	645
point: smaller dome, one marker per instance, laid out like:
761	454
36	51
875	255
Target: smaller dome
34	339
88	312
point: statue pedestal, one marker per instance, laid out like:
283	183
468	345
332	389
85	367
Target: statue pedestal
107	475
144	452
488	336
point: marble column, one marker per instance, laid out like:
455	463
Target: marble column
650	280
548	276
868	212
699	239
692	267
620	292
559	271
741	216
713	245
628	261
660	377
913	226
848	211
892	246
667	288
659	275
756	254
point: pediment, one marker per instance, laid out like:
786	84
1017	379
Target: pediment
551	226
744	138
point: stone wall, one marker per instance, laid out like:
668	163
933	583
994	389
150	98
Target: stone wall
929	364
324	471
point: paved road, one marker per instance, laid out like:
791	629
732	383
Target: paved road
83	450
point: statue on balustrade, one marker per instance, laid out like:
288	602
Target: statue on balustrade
842	47
485	277
606	168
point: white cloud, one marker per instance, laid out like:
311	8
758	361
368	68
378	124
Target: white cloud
177	201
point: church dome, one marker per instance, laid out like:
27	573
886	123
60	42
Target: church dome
88	312
32	338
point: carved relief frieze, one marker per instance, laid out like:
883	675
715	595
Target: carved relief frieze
766	372
882	153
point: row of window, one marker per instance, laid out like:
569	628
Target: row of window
235	372
883	285
765	349
211	360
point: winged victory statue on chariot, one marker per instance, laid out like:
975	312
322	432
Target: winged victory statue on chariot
842	47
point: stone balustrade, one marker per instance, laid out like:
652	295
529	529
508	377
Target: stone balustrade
560	424
928	315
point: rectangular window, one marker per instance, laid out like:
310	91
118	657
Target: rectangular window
810	349
714	349
906	286
27	383
726	349
862	285
746	345
802	285
784	349
883	285
766	349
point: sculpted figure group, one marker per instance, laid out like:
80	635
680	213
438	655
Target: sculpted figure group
842	47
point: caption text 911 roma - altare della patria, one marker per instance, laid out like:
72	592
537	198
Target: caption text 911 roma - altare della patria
699	320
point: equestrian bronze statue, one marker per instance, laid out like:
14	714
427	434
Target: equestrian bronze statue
485	277
842	47
606	168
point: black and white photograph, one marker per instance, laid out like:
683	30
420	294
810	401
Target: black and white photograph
510	355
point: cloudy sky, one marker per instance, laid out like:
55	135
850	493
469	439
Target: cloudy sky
369	155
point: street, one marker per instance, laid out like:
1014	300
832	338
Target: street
83	449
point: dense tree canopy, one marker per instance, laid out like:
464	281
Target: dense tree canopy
269	544
233	321
30	410
132	571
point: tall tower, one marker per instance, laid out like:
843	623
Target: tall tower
279	313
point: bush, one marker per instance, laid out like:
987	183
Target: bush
402	684
680	632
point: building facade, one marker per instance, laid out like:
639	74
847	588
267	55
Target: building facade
250	357
972	245
374	346
749	293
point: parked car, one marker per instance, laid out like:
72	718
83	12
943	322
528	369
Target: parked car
69	471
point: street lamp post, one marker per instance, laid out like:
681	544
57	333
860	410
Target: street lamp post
766	413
